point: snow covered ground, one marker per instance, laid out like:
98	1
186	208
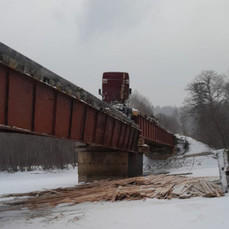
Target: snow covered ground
37	180
199	160
198	213
195	146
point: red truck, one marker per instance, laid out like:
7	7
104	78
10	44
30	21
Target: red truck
115	87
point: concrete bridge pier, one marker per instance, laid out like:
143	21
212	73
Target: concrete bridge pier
97	163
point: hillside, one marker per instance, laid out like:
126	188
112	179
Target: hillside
198	160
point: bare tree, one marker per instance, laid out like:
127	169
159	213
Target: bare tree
170	120
226	88
206	104
141	103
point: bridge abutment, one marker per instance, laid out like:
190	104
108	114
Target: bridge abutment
98	163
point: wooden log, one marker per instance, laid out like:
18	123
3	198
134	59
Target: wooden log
160	186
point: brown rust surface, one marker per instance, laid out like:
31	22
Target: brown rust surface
36	105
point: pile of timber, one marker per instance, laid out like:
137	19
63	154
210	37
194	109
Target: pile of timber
152	186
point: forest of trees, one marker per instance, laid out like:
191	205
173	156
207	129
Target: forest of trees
205	114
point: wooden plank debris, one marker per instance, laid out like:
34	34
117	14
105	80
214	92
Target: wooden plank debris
136	188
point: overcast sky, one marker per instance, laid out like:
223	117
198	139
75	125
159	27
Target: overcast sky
162	44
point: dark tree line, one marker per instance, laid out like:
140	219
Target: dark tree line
27	152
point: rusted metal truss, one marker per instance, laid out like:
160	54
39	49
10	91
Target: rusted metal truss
153	133
36	101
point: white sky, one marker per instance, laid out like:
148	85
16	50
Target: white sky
163	44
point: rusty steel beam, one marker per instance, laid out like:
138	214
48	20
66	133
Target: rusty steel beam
36	101
21	63
153	132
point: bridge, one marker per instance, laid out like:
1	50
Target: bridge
34	100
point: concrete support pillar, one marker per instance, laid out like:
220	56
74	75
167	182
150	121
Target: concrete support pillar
97	164
135	164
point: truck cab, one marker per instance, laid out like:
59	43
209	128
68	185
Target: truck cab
115	87
116	90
